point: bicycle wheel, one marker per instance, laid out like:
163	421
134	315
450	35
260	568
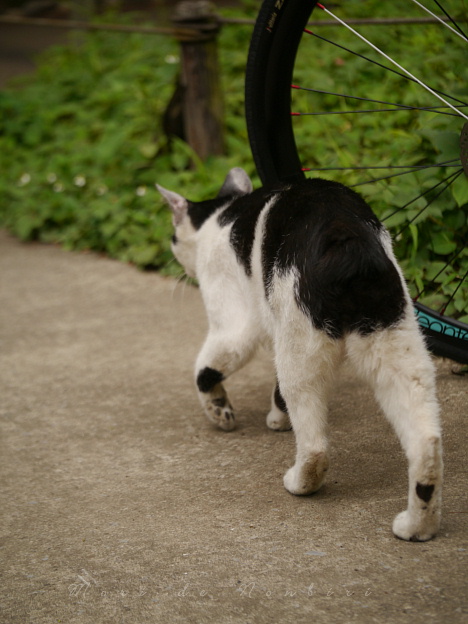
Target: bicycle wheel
285	151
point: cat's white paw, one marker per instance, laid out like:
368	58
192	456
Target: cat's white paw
308	477
406	528
278	421
220	413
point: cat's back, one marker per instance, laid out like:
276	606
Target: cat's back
328	234
329	237
304	219
317	206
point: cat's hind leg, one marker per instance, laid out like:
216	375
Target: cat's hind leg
278	418
398	366
306	362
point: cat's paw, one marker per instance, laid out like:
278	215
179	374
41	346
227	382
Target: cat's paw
220	413
307	478
278	420
421	530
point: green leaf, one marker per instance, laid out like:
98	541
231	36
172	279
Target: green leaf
445	142
460	190
441	244
393	218
148	150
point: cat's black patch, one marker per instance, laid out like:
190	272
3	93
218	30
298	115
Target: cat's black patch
199	212
174	239
424	492
243	213
279	401
346	282
208	378
221	402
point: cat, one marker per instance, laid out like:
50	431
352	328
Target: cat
308	268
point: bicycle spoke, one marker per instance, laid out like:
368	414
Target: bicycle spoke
432	284
371	110
395	175
432	188
454	177
452	296
459	34
408	168
379	51
374	62
450	18
436	109
433	280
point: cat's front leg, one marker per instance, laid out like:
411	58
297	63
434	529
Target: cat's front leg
214	399
221	355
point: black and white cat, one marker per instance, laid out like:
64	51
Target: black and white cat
309	269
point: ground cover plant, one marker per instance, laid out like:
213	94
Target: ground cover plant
82	145
432	229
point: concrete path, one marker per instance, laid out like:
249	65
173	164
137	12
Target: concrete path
20	46
121	504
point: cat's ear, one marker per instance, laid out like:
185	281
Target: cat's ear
177	203
237	182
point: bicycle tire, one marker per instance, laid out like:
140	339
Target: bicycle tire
272	54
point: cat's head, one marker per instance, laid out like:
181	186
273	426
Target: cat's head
188	216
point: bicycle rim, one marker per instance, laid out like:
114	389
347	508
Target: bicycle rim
272	57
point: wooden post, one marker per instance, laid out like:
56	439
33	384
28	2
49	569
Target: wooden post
202	102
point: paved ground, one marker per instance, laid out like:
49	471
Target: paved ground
121	504
20	45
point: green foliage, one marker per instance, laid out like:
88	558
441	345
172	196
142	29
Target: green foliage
81	141
427	217
81	145
77	148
